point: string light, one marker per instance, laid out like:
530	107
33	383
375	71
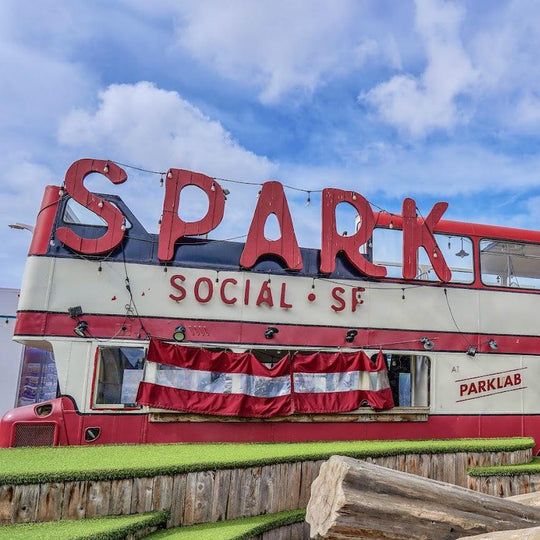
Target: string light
61	191
106	168
241	182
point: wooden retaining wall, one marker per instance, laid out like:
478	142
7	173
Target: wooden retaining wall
505	486
210	496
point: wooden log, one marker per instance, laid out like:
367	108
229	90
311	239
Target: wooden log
354	499
530	499
532	533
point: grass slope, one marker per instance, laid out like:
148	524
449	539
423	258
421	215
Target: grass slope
75	463
507	470
109	528
236	529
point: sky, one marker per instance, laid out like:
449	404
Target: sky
434	100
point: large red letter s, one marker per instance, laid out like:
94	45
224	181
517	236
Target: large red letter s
115	219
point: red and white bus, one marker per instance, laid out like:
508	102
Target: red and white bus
411	327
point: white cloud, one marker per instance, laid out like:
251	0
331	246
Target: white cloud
428	102
280	46
156	129
143	124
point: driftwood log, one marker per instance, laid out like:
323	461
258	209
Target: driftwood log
355	499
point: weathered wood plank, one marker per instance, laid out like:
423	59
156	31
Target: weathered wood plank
197	504
296	531
448	471
25	503
162	492
97	503
120	499
424	464
51	497
460	459
141	495
177	501
220	495
6	503
235	494
74	504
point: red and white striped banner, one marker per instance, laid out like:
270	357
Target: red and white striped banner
196	380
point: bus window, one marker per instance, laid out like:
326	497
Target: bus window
119	372
409	379
386	249
458	254
510	264
77	214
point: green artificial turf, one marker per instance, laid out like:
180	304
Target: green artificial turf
75	463
108	528
533	467
236	529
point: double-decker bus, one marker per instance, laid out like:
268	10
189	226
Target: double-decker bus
411	327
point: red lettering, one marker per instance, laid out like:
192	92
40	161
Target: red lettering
420	233
356	298
224	283
481	386
178	287
340	302
499	383
172	227
334	243
272	200
508	381
517	379
246	292
491	384
282	302
74	180
462	388
209	292
265	295
472	389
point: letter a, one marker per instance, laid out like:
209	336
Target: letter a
272	201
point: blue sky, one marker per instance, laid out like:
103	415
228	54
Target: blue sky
436	100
